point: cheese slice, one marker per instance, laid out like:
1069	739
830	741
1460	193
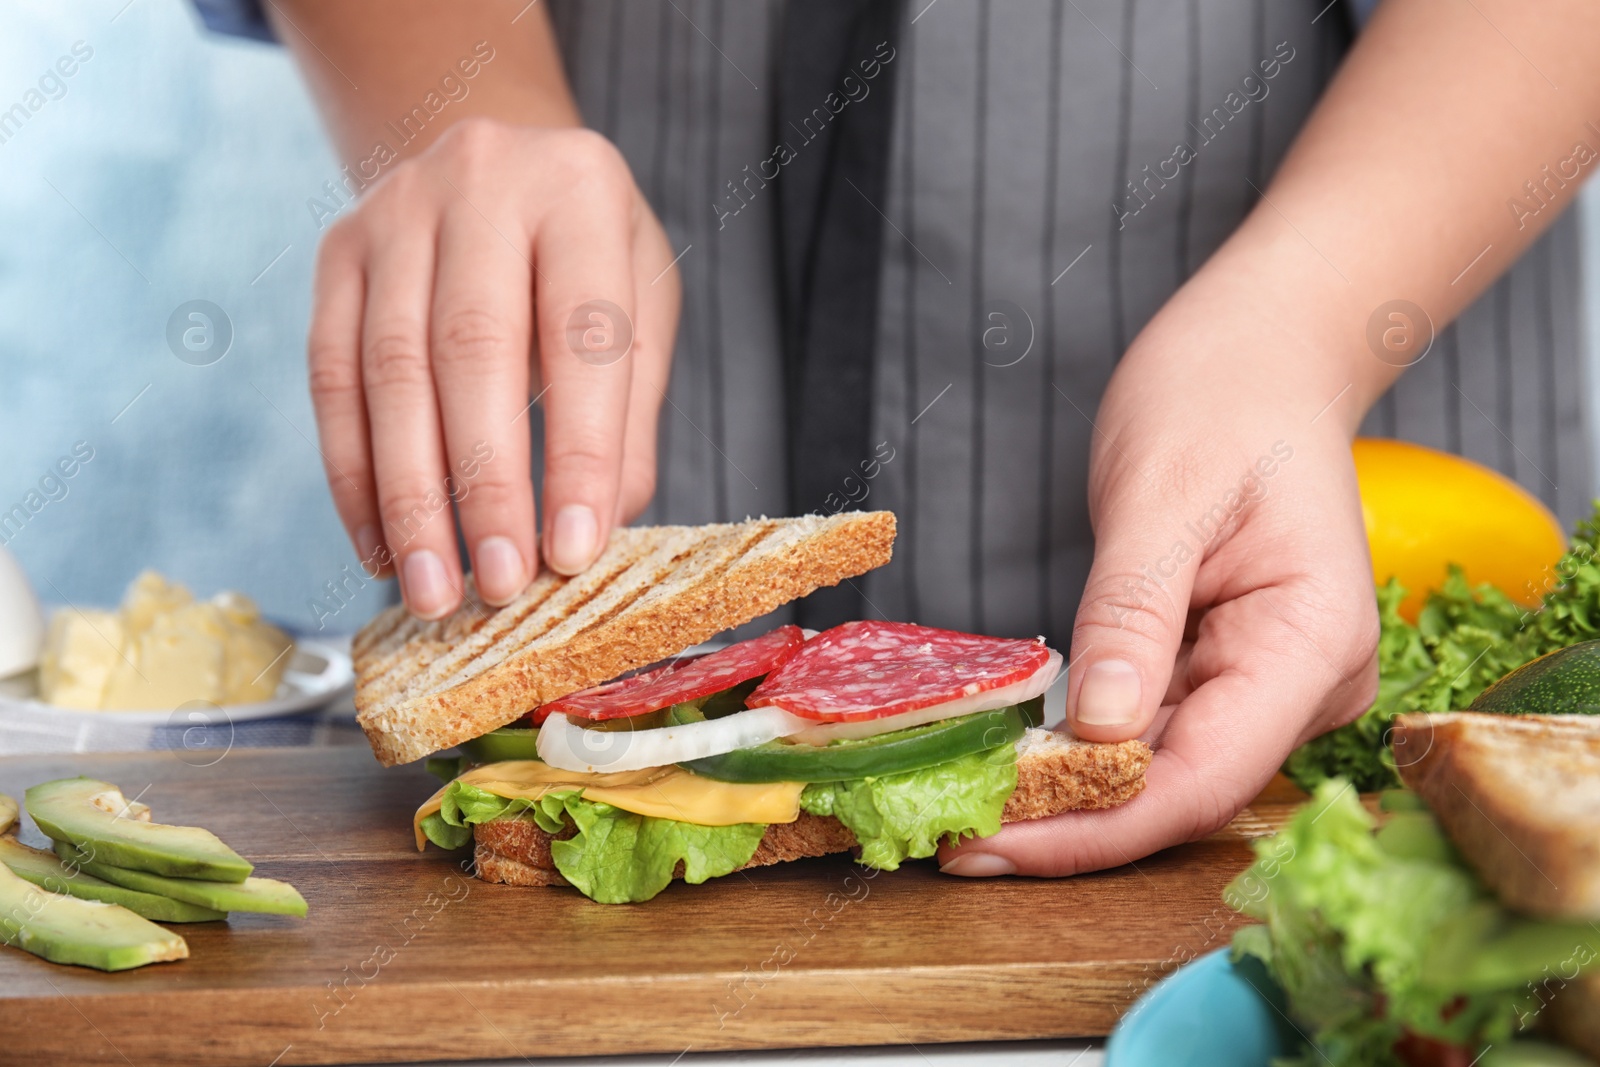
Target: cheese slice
659	792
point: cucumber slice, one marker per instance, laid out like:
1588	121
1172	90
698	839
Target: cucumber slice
508	742
903	750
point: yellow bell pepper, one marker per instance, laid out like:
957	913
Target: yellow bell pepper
1426	509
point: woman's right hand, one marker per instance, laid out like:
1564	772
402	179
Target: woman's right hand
502	264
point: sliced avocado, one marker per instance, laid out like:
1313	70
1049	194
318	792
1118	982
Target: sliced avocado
253	894
96	816
45	870
90	933
8	814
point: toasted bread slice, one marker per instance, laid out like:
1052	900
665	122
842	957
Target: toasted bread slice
1055	773
1520	797
654	591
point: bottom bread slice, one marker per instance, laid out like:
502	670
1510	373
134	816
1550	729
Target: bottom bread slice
1055	773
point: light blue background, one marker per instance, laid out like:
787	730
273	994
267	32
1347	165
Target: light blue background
193	156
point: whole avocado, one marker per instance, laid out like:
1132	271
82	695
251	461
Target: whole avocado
1563	682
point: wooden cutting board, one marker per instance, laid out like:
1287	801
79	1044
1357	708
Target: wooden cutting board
406	957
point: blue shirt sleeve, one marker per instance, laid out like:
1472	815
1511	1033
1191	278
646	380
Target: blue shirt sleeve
1362	11
236	18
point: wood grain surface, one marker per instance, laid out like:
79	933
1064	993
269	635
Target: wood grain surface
406	957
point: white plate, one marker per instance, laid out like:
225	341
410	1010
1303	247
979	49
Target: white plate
318	674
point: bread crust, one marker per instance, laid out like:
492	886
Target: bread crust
1519	795
1055	774
423	687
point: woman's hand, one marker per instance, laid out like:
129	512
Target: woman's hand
1229	613
504	263
1230	629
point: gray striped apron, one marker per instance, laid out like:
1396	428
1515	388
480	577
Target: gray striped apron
1019	127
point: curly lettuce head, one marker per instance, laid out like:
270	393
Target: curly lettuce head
1465	639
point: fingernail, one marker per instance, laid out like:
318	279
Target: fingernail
499	569
979	865
368	547
427	590
572	539
1109	695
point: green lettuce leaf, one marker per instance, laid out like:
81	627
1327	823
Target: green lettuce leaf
464	805
616	857
1355	919
904	816
1465	639
619	857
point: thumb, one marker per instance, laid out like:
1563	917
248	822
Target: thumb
1130	621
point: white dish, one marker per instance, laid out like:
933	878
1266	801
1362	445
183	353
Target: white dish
318	674
21	620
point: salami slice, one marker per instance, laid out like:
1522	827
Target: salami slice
867	670
680	680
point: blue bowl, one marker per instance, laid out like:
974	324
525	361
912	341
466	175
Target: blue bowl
1208	1012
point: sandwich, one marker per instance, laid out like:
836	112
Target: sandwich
595	753
1457	925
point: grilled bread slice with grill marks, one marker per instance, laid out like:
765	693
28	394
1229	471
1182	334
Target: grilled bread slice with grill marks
654	591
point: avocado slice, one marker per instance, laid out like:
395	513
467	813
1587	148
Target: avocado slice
8	814
90	933
265	895
45	870
98	818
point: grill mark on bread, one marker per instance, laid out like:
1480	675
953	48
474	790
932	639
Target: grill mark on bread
628	559
632	565
645	570
390	671
401	629
481	653
542	616
528	622
502	622
522	611
626	601
681	568
376	632
726	558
